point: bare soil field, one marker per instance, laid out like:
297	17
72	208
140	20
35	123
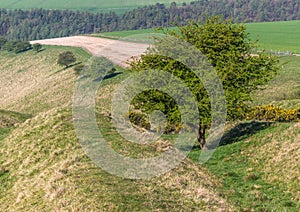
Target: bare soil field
117	51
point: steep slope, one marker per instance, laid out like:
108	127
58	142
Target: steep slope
9	119
47	168
42	165
32	83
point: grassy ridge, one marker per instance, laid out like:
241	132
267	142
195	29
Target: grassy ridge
42	164
260	170
277	36
41	84
89	5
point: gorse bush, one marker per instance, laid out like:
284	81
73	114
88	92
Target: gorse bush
274	113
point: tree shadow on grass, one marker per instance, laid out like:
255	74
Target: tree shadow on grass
41	50
65	68
109	76
243	131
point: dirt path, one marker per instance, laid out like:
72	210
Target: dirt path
117	51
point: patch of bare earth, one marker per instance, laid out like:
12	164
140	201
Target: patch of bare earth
117	51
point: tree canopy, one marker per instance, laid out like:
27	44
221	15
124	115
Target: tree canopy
66	58
37	47
227	47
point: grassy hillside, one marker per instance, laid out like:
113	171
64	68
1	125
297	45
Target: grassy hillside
90	5
43	167
258	165
284	89
277	36
33	83
258	162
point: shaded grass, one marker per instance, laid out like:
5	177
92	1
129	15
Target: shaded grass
9	118
4	132
243	131
244	177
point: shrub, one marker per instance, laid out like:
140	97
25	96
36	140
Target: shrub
274	113
66	58
37	47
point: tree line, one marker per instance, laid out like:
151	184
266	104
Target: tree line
41	24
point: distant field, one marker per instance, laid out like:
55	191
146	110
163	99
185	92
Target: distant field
279	36
284	35
90	5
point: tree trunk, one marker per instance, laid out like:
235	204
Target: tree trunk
201	136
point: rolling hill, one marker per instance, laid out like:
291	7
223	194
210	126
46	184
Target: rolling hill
43	167
273	36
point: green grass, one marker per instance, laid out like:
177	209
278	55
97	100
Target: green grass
276	36
89	5
245	170
284	89
42	164
4	132
43	84
9	118
257	162
245	161
126	33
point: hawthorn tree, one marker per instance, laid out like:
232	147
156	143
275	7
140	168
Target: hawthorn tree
66	58
228	49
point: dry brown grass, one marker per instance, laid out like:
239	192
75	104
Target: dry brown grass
30	82
281	157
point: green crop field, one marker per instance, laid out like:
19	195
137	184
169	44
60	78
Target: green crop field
277	36
90	5
282	36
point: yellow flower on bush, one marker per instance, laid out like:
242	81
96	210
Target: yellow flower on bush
274	113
